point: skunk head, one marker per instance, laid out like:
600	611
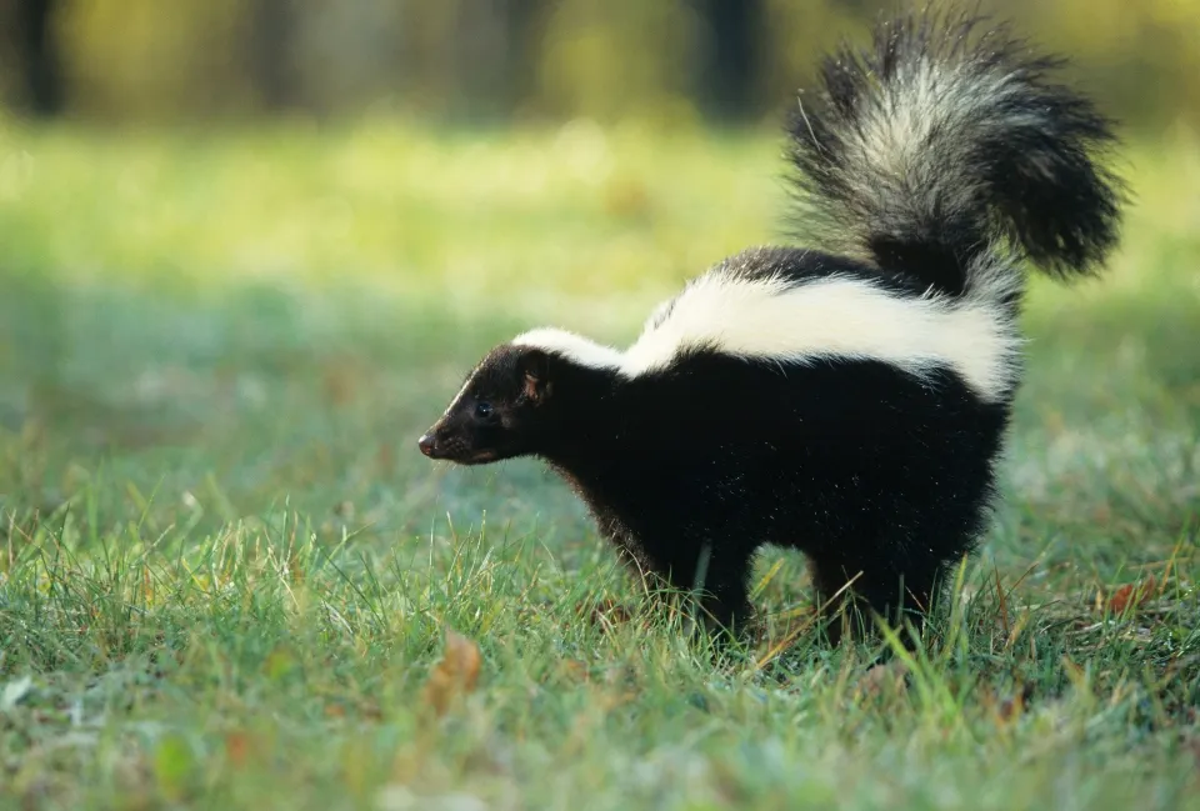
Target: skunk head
502	411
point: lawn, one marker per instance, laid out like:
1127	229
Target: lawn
228	579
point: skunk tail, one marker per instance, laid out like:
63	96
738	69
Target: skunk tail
941	153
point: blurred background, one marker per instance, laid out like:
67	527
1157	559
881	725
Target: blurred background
670	61
248	248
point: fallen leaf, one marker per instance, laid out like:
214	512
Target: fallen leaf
1128	596
455	675
237	748
1013	706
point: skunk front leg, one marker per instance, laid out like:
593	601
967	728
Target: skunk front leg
720	578
716	572
718	569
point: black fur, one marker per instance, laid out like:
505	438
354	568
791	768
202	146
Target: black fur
882	486
879	475
868	470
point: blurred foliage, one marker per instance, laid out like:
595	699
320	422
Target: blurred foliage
145	60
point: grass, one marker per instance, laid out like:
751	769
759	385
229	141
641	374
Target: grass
228	580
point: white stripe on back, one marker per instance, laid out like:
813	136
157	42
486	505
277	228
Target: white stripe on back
831	317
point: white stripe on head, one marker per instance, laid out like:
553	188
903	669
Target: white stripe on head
574	347
458	397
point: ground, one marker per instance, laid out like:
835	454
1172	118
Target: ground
228	579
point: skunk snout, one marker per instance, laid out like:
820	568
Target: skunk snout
451	441
443	442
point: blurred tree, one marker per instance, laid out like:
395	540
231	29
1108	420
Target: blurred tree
497	43
271	25
729	71
622	58
523	29
479	49
38	58
665	59
473	58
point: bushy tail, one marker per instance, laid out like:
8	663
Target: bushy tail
941	143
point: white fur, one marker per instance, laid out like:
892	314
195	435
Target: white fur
833	317
583	351
929	115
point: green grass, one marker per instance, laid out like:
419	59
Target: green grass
226	575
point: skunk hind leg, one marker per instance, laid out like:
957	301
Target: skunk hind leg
851	594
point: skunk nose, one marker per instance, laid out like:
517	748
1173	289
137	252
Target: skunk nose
426	443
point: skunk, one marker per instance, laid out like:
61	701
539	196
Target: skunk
848	399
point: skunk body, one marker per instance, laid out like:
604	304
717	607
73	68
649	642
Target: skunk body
849	399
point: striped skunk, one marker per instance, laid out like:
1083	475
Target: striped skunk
848	399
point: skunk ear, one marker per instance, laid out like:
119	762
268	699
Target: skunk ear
535	367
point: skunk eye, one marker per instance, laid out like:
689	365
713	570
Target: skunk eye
483	409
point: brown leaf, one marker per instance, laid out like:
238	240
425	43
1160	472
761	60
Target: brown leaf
455	675
1120	599
1013	707
237	749
1128	596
